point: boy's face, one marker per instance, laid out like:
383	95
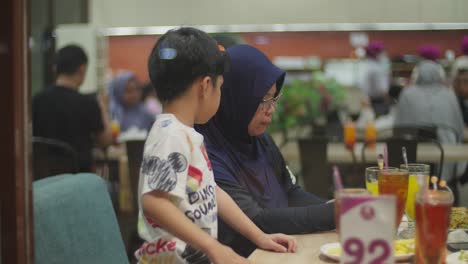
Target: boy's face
211	96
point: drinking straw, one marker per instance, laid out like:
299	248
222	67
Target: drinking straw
405	157
434	180
380	161
385	153
337	179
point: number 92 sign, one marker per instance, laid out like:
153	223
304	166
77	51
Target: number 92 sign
367	229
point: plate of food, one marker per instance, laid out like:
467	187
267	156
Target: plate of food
460	257
403	250
459	218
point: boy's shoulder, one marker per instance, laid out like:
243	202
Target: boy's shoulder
168	127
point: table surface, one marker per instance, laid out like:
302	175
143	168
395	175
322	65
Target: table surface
308	251
426	152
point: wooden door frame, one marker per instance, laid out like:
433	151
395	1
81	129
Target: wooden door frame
15	134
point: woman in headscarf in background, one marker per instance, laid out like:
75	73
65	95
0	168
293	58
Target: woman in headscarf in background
430	52
246	162
429	102
126	106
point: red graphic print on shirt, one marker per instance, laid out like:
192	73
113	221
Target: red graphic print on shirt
195	178
205	155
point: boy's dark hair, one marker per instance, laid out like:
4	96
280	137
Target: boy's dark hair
69	59
180	57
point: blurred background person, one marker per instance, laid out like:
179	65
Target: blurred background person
126	106
60	112
428	101
430	52
460	85
375	80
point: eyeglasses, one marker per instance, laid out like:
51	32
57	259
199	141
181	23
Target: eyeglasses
266	104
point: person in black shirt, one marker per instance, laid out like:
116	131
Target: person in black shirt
460	83
61	112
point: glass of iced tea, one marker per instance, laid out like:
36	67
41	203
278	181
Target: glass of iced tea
342	193
433	208
394	181
372	180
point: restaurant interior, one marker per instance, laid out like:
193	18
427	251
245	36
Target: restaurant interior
344	125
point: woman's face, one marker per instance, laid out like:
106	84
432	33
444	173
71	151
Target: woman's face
265	110
132	94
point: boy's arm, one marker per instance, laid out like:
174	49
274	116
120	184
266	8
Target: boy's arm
234	217
157	206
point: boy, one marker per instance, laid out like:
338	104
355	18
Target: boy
179	200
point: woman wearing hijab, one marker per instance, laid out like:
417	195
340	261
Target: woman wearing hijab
125	103
429	102
246	162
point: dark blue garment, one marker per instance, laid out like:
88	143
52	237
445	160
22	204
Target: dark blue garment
250	77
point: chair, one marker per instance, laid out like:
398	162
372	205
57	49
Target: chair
53	157
74	221
135	156
315	167
135	150
409	136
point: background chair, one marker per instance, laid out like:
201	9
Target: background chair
315	167
53	157
74	221
135	156
129	223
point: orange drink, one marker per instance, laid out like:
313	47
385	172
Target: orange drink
115	130
349	134
394	181
370	134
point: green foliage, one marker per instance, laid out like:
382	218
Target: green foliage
303	102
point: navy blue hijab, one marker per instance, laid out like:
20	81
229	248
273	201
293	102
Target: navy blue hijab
236	156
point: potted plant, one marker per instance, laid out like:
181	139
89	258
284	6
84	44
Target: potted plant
306	105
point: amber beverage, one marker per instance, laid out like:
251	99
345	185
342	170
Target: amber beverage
433	209
394	181
349	134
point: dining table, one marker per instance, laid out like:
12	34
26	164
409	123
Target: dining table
308	251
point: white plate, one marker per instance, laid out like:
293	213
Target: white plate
325	248
453	259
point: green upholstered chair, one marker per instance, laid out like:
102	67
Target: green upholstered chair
74	221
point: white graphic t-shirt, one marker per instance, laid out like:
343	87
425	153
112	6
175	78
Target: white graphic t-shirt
175	161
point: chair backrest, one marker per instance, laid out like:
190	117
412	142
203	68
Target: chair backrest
135	150
53	157
74	221
315	168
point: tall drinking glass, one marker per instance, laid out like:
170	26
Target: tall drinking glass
372	180
394	181
418	177
346	193
433	208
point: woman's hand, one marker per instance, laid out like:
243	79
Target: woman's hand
225	255
277	242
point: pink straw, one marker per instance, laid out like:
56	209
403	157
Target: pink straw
337	178
385	155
